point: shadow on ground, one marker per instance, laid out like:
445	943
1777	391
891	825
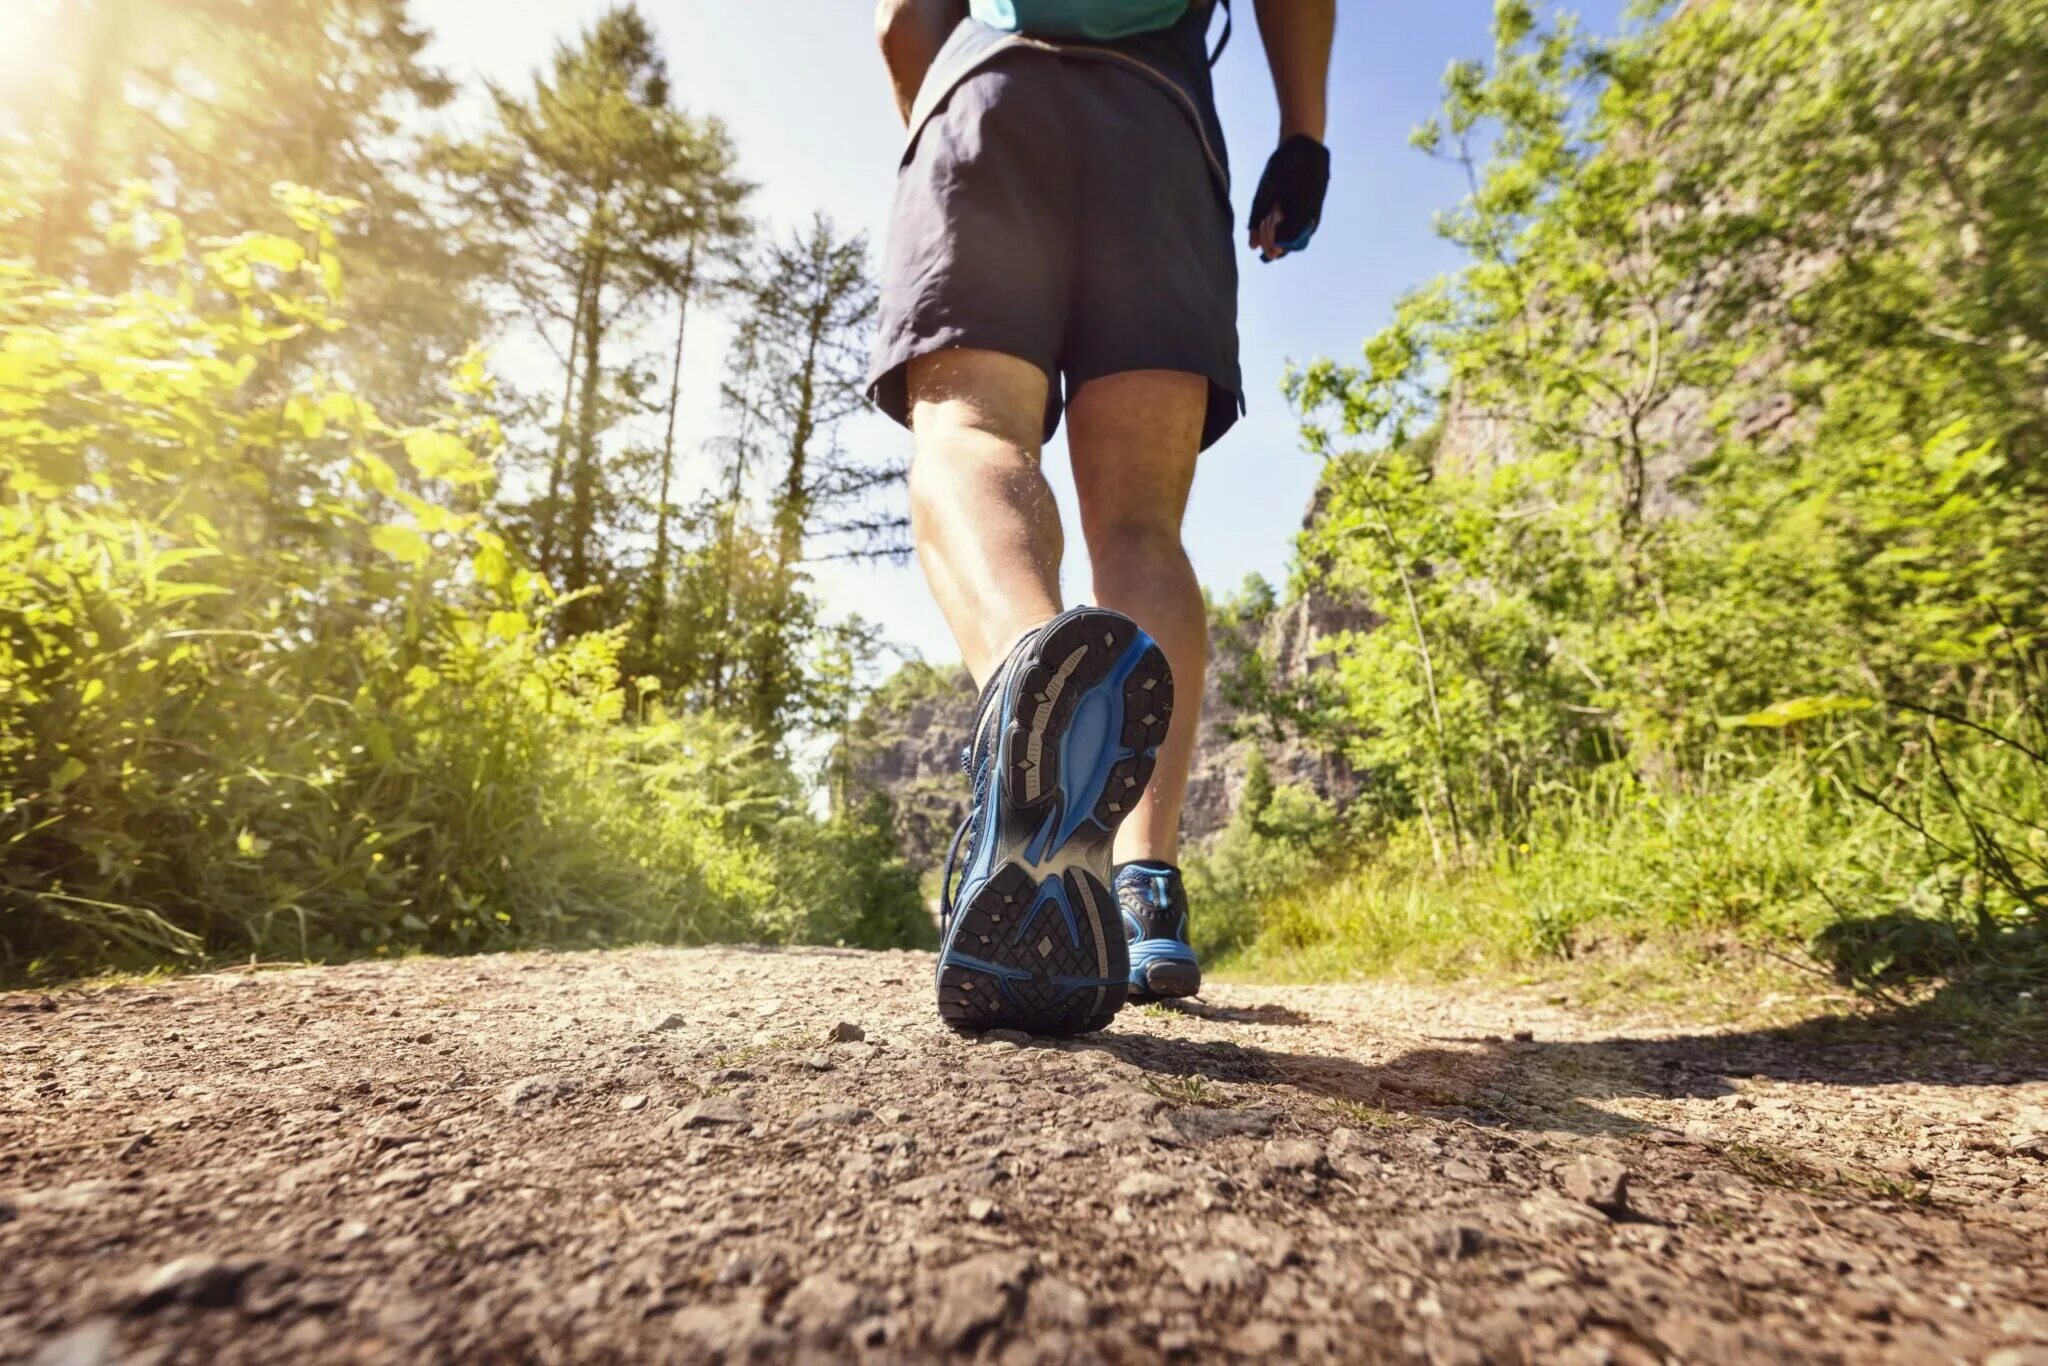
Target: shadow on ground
1556	1085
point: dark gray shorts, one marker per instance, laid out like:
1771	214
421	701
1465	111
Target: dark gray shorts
1062	211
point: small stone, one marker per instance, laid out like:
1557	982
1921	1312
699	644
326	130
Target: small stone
819	1062
1293	1155
201	1280
1471	1173
665	1023
1597	1181
1146	1188
822	1306
2025	1321
459	1194
89	1344
2030	1145
543	1089
727	1076
1218	1271
983	1211
2018	1356
1060	1304
835	1112
708	1111
1447	1240
405	1178
633	1102
1524	1036
846	1032
978	1294
424	1036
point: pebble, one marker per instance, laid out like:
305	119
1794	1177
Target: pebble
89	1344
835	1112
1597	1181
199	1279
818	1062
1293	1155
632	1103
1458	1169
978	1294
1218	1271
846	1032
983	1211
663	1024
822	1306
1147	1188
542	1089
707	1111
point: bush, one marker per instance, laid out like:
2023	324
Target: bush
271	683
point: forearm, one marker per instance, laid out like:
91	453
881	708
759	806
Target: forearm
911	33
1297	35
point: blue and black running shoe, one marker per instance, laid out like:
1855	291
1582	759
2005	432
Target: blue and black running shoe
1155	907
1064	742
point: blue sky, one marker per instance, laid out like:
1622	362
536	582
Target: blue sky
800	86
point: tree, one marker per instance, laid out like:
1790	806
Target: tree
609	196
214	102
798	372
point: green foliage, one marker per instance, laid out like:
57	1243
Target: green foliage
1734	427
272	683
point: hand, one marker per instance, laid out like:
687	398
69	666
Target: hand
1288	205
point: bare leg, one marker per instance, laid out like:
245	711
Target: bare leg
1134	439
987	529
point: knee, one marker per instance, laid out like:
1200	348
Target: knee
1133	539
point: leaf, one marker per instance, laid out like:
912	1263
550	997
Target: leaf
180	592
401	543
439	455
493	567
271	250
1781	714
68	772
508	625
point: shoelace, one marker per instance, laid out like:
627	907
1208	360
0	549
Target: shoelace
960	833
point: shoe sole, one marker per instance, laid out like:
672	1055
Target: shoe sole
1040	946
1163	969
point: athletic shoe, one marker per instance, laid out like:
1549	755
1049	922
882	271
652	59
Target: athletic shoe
1064	742
1155	907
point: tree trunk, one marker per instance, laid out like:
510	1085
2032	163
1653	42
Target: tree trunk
583	483
551	510
657	591
65	212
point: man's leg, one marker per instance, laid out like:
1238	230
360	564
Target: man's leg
987	529
1134	439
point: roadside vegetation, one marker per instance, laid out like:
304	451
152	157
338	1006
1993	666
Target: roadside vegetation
321	637
1702	519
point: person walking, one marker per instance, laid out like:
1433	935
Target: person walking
1061	244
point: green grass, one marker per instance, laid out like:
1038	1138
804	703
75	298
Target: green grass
1737	895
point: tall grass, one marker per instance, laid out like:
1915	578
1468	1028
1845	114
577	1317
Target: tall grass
1854	856
271	682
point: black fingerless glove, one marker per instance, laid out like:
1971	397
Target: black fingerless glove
1296	179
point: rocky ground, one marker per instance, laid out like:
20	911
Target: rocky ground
726	1154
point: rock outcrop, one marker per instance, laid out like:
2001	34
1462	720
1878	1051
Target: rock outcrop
909	740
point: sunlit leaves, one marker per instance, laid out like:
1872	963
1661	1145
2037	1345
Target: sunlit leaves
402	543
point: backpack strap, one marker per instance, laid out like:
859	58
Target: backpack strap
1224	41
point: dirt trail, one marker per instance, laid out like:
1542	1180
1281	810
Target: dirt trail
670	1156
